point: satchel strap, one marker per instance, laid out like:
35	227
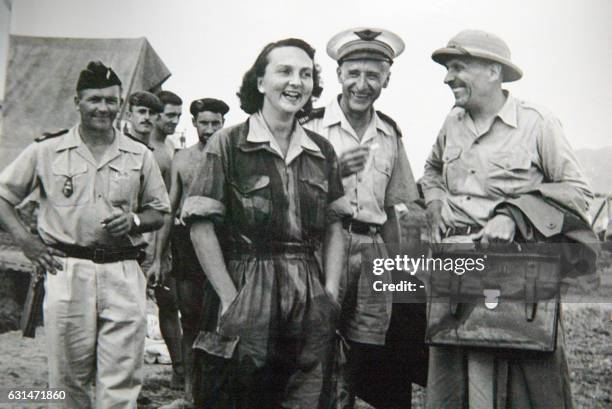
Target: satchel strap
531	277
454	294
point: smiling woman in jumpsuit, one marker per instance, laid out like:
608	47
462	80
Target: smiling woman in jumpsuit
267	194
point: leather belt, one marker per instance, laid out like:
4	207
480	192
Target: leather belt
272	248
355	226
462	231
101	255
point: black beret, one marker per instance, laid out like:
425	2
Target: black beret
145	99
208	104
97	75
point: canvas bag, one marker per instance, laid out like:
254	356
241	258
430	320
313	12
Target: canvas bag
521	290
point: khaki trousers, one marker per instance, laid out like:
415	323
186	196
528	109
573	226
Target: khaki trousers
95	327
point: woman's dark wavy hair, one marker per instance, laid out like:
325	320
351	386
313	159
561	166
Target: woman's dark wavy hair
251	100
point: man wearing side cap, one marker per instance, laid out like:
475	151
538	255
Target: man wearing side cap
100	191
158	265
499	167
207	117
376	178
143	108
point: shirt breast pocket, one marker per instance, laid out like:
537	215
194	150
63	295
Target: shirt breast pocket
453	173
510	172
382	169
124	184
69	185
253	199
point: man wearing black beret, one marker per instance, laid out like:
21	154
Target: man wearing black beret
100	191
207	117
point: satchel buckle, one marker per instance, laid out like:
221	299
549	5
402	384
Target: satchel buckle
491	297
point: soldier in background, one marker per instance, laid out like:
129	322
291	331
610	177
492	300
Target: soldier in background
158	266
207	118
99	191
143	108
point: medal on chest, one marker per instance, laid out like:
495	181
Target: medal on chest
67	189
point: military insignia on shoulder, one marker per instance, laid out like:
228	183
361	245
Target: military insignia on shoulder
391	122
316	113
49	135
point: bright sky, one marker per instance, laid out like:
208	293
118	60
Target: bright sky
563	46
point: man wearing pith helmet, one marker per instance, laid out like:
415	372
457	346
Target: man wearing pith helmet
501	170
376	177
99	191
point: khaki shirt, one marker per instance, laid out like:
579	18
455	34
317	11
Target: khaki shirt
127	177
387	178
524	150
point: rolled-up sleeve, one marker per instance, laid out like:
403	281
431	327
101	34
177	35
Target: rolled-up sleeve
338	206
207	193
432	181
153	194
402	187
19	178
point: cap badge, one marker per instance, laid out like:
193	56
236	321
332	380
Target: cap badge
367	35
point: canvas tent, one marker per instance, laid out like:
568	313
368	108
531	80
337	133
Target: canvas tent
41	78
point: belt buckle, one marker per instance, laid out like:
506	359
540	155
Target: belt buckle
99	256
372	230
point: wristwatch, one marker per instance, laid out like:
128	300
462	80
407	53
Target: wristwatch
136	219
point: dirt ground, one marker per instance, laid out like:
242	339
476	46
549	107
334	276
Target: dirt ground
589	336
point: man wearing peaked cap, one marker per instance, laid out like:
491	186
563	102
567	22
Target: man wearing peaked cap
376	178
365	44
207	118
501	170
102	190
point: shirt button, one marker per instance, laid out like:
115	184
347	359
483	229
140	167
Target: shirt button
472	171
468	198
359	179
552	225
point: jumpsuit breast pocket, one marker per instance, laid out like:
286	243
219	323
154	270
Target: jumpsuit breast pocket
68	185
314	201
253	200
124	184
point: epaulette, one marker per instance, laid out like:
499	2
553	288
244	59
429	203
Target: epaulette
135	139
49	135
391	122
316	113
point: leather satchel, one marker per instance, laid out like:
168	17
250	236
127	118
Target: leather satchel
511	304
